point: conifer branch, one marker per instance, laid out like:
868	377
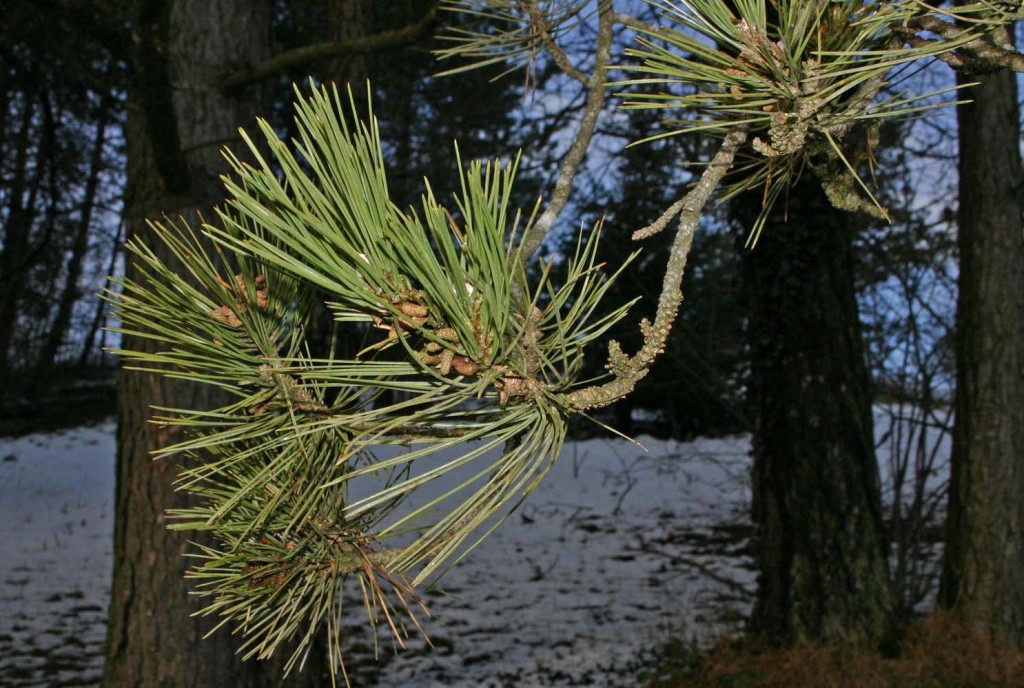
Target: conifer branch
985	53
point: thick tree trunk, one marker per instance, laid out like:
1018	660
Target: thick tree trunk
983	575
179	119
816	493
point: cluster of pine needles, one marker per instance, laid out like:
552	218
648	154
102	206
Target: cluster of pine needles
303	475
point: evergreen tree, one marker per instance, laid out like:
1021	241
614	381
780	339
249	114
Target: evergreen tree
985	531
59	110
482	351
822	550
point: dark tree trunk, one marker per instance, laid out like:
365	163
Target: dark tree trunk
99	315
70	292
816	493
13	252
348	19
983	575
178	119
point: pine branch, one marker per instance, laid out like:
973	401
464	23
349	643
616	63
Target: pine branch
484	375
985	53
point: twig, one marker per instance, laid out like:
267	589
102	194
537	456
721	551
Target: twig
540	21
662	222
982	54
636	24
626	370
598	83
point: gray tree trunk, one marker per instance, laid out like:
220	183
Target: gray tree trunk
823	573
983	574
179	119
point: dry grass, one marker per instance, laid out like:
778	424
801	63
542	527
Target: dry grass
938	652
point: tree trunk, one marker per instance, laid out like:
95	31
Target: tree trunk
99	315
15	244
982	575
70	292
178	119
816	492
348	19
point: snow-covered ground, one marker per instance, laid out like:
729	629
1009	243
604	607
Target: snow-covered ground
616	550
56	533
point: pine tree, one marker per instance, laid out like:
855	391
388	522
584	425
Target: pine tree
487	360
981	574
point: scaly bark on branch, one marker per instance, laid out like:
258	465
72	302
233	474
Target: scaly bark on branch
628	370
598	84
539	19
981	55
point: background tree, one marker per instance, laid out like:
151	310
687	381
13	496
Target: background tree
60	113
174	137
822	550
906	285
985	530
913	421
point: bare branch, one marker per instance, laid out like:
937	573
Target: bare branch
320	51
561	60
584	134
985	53
635	23
628	370
662	222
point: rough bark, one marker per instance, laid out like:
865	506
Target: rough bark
816	493
348	20
179	117
982	575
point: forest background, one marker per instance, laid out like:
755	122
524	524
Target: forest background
75	72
